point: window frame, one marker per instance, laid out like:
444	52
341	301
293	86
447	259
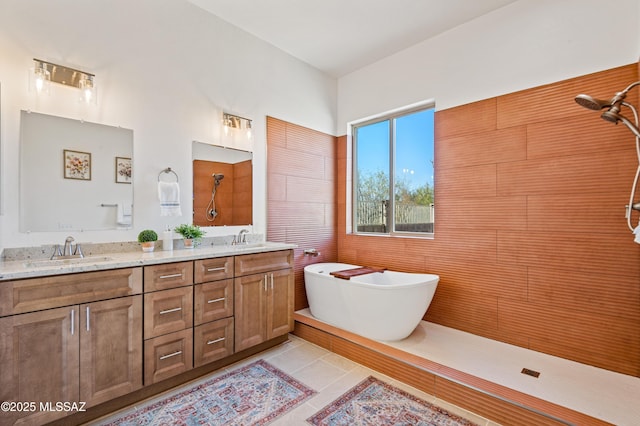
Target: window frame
390	116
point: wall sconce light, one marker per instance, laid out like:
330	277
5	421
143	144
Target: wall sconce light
237	131
44	72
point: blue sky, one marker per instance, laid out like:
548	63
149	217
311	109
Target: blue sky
414	148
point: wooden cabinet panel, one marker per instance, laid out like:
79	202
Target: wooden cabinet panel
250	310
206	270
35	346
263	307
34	294
167	311
167	356
110	349
169	275
212	341
213	301
248	264
279	303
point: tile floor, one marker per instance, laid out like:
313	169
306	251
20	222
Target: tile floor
329	374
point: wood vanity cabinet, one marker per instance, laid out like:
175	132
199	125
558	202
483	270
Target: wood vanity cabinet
213	334
168	320
263	297
94	336
85	352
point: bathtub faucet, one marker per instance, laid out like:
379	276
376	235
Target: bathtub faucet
311	252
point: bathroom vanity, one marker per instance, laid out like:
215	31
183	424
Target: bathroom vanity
87	332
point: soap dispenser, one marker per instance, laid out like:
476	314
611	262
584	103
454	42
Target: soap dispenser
167	239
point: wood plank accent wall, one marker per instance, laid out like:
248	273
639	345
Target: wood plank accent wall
531	242
301	194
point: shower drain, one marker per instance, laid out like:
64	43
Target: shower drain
531	373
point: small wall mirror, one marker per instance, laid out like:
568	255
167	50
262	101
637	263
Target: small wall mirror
74	175
222	185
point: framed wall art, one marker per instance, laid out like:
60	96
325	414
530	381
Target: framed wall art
77	165
123	170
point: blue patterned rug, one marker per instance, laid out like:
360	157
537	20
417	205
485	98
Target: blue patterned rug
373	402
252	395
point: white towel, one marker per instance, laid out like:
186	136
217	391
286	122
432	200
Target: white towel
169	195
124	212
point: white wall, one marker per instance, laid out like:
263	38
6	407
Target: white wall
165	69
523	45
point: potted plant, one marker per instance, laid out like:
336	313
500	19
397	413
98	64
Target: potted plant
190	233
147	239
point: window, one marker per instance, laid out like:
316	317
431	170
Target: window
393	174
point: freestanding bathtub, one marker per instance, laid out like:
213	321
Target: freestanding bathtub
381	305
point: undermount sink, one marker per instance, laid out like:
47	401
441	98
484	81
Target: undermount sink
70	261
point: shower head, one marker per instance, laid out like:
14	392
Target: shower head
613	117
591	103
218	176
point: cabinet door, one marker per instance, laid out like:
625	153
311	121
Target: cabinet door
250	310
168	355
279	318
39	355
110	349
248	264
168	311
218	268
212	301
168	275
212	341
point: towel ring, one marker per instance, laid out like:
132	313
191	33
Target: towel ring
168	170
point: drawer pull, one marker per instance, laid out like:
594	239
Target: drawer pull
211	342
164	277
221	268
176	353
220	299
73	321
88	319
168	311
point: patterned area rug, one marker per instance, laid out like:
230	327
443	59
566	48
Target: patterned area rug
373	402
252	395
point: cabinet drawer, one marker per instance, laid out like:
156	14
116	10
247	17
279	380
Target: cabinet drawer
213	269
167	356
35	294
167	311
248	264
213	301
212	341
170	275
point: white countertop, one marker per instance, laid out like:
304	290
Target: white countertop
30	268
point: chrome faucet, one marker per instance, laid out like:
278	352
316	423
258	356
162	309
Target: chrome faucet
241	238
69	250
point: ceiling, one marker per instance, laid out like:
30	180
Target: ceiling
341	36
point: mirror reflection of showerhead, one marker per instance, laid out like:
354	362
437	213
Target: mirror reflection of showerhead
217	177
211	211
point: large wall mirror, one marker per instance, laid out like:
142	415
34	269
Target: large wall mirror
222	186
74	175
